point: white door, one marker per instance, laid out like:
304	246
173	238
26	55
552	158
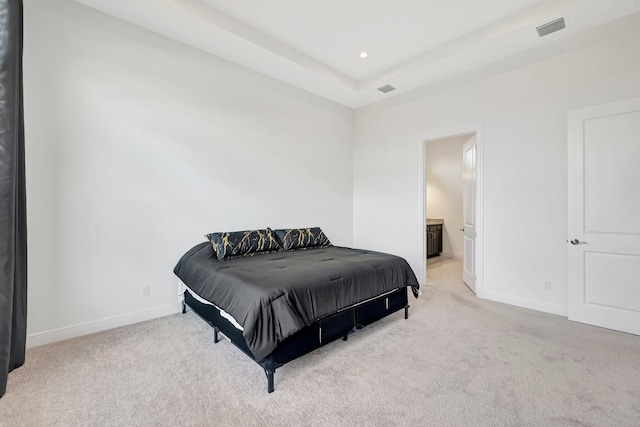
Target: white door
469	160
604	216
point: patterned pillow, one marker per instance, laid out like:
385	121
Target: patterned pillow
300	238
241	243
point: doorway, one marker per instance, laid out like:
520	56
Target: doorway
452	204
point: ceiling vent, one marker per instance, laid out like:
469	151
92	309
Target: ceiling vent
551	27
386	88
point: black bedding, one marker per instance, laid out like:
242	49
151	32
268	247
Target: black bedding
274	295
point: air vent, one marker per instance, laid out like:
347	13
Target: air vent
551	27
386	88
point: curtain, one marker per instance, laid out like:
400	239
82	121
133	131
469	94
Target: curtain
13	227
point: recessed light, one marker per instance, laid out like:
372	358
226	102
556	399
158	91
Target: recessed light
363	54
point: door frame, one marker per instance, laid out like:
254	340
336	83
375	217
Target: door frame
476	129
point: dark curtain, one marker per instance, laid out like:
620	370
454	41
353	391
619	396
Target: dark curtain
13	220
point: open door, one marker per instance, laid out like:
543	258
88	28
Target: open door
469	178
604	208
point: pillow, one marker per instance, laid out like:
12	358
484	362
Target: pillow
241	243
302	238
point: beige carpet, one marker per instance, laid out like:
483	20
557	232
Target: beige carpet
457	361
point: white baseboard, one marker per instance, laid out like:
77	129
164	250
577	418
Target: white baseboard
60	334
457	255
560	310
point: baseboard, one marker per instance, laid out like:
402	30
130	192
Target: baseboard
560	310
456	255
55	335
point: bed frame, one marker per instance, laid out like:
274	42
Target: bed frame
310	338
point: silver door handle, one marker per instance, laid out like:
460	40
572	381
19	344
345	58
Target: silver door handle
462	229
578	242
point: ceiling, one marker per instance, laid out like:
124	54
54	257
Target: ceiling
316	45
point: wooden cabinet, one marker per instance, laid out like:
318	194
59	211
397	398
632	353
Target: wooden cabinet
434	240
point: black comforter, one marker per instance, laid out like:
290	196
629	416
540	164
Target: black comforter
274	295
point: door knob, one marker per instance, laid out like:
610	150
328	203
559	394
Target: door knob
462	229
578	242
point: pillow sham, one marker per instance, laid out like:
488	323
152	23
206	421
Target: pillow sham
242	243
301	238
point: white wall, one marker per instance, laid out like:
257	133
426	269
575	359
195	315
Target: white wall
138	145
443	168
523	113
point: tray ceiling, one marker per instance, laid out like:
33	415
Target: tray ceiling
316	46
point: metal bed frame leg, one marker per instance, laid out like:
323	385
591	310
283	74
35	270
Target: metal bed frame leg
270	373
406	311
216	338
184	307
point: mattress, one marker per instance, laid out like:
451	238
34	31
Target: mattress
182	287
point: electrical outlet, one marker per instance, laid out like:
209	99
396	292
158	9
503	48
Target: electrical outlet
546	285
146	291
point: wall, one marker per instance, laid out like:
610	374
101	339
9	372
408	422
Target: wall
523	114
443	167
137	145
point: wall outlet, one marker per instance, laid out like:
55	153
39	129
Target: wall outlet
546	285
146	291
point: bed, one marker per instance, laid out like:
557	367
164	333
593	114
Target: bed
278	295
